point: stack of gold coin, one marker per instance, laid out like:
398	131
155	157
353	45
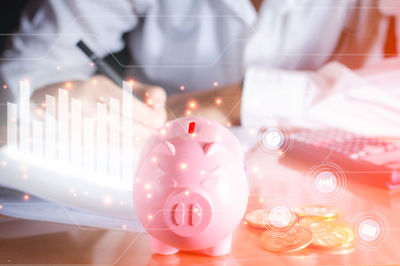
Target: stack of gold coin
319	226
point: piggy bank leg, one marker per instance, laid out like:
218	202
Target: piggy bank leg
161	248
221	248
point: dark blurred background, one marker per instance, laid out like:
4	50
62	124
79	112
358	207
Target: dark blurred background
10	12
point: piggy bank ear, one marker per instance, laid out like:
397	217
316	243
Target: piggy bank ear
166	147
211	148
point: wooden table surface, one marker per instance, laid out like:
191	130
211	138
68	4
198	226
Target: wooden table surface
270	182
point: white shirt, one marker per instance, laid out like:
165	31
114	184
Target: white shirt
195	43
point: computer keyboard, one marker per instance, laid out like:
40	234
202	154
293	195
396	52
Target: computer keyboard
369	160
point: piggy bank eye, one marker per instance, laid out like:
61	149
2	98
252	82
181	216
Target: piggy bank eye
165	147
166	182
211	148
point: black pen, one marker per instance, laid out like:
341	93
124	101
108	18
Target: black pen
102	65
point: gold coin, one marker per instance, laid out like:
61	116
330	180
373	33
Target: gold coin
332	235
306	222
295	239
321	211
261	219
257	218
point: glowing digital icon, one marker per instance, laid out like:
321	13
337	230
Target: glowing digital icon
273	138
280	216
369	230
326	182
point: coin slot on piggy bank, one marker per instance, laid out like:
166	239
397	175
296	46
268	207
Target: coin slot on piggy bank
193	169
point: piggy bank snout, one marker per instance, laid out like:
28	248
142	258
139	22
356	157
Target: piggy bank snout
187	212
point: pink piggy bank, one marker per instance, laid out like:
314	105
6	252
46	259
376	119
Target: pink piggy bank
190	188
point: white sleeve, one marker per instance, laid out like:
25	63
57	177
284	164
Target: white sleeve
334	96
43	50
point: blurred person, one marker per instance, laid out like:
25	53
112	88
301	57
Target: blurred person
244	62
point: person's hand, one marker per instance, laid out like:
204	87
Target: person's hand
148	112
221	104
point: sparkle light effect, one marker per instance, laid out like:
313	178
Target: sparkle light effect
107	200
218	101
215	84
150	217
147	186
1	207
39	112
149	102
4	163
26	197
192	104
182	88
68	85
256	168
183	166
